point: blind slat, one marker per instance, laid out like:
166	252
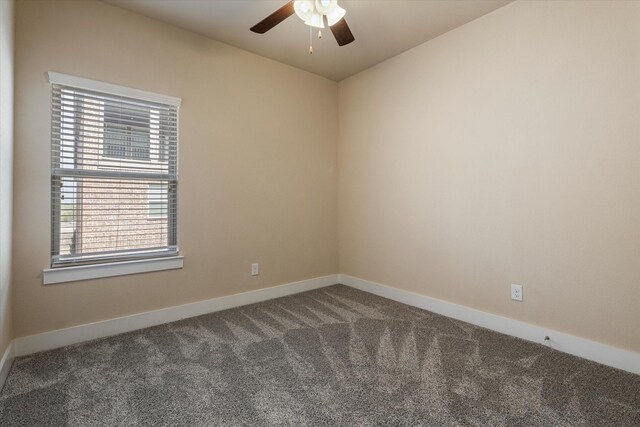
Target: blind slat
97	173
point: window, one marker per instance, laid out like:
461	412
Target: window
157	198
114	175
127	137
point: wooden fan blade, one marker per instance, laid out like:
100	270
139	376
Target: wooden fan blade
274	19
342	32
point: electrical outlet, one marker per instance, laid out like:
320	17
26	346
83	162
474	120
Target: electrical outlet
255	269
516	292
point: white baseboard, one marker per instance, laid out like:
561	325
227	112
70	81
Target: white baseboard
5	364
591	350
90	331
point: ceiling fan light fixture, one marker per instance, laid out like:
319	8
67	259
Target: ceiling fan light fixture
304	9
335	15
315	20
313	13
325	7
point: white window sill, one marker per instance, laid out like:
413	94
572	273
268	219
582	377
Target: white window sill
96	271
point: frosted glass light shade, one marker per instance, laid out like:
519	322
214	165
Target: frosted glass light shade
335	15
304	9
315	20
325	7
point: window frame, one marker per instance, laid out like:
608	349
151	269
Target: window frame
122	264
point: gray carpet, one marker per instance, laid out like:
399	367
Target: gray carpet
334	356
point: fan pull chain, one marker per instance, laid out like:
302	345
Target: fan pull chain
319	34
310	41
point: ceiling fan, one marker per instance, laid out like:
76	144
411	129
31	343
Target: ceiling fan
315	13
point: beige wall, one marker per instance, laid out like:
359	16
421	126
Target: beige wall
6	167
257	158
6	163
505	151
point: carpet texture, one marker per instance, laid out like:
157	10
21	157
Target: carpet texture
333	356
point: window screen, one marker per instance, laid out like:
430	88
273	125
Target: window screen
114	177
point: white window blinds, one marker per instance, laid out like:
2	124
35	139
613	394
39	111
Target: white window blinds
114	175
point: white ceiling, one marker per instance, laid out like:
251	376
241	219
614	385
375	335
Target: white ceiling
382	28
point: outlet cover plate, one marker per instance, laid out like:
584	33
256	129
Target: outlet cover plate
516	292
